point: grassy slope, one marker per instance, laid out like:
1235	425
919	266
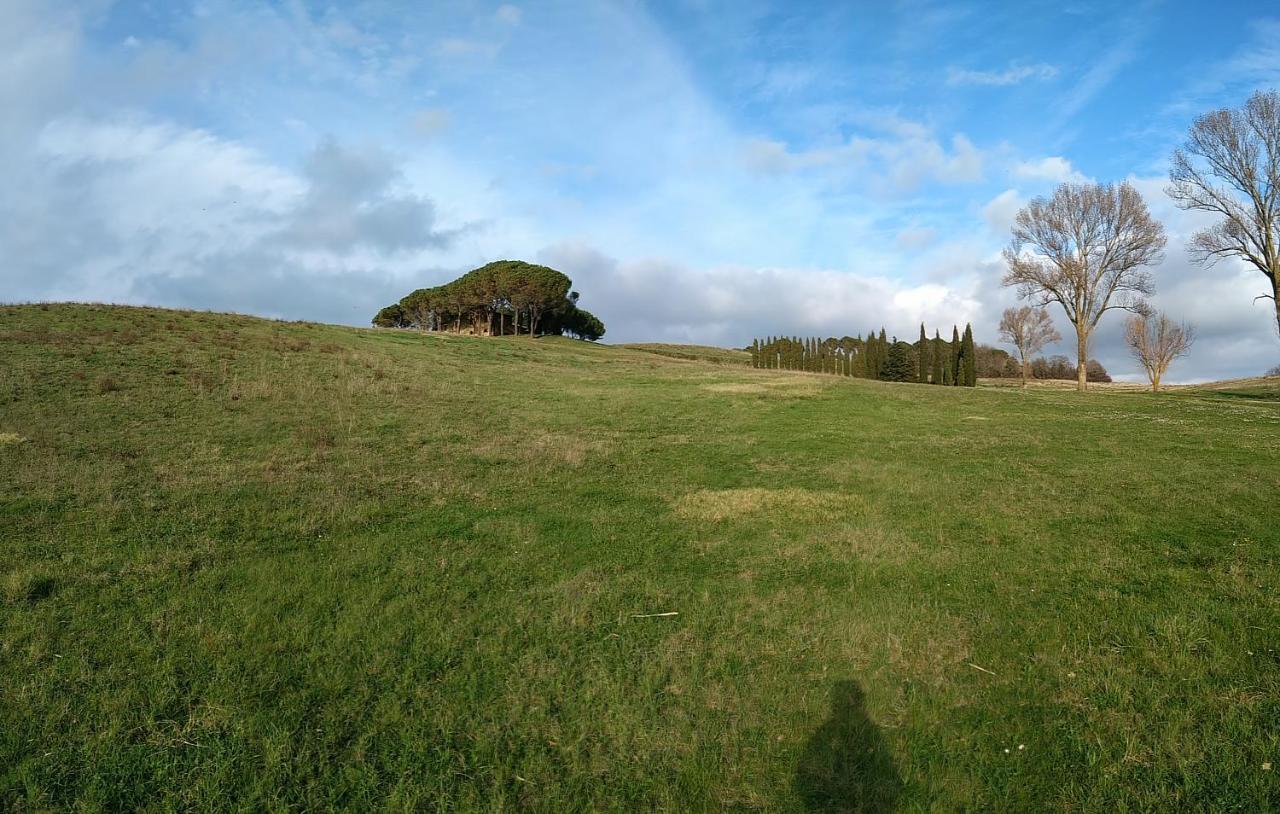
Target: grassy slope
697	353
279	566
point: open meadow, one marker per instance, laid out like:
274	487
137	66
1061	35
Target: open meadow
255	565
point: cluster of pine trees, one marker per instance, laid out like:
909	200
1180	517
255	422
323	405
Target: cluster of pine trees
928	361
507	296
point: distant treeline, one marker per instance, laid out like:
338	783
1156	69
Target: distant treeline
1060	367
926	361
504	297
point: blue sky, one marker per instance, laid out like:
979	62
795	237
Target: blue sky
705	171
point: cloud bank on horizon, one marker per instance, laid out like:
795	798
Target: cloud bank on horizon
704	171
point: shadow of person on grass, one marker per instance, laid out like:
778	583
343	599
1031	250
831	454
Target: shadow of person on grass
846	766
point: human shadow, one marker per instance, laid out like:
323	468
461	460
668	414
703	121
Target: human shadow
846	766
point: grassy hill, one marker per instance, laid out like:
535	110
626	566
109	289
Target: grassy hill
287	566
697	353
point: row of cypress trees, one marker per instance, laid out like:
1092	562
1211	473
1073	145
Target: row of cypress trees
927	361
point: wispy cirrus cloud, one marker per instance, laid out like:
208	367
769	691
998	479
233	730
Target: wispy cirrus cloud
1254	64
1130	34
1012	75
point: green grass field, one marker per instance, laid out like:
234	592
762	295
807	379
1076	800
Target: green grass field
263	566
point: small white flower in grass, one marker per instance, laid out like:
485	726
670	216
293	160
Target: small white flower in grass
1021	746
1266	767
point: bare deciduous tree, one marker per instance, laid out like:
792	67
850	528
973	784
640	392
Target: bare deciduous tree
1230	166
1085	248
1029	330
1155	341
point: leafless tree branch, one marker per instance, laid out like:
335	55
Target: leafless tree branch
1086	248
1230	166
1155	341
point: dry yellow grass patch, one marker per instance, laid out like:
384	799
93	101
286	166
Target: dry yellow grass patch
716	505
735	387
783	387
935	657
571	450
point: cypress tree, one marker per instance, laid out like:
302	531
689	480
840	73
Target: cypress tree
948	370
969	354
955	355
922	357
882	353
755	353
936	358
869	361
898	366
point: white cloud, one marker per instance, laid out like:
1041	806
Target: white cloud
1000	211
661	300
1012	75
894	165
131	210
1053	168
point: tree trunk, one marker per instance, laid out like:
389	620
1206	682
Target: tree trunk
1275	296
1082	360
502	323
1155	383
1026	370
